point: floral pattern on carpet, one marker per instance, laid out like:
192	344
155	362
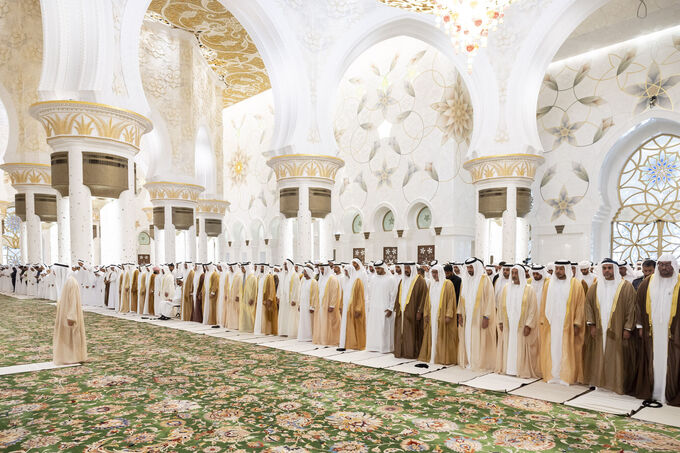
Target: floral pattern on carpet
153	389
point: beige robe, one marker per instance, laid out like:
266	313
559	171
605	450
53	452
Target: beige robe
528	364
187	298
446	348
483	347
327	324
356	318
609	367
134	290
69	342
248	305
571	370
142	293
235	296
224	302
151	294
125	292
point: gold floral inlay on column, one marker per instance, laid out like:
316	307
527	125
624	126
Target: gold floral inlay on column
173	191
504	166
306	166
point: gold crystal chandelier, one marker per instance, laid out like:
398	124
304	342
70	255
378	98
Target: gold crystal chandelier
467	22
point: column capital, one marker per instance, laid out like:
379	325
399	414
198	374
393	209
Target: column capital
165	193
26	176
3	208
68	119
293	169
212	208
149	214
501	168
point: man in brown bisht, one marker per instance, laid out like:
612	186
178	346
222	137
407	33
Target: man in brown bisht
223	296
134	290
69	343
327	330
188	295
476	314
517	351
199	297
355	310
408	309
142	292
440	339
610	319
658	324
247	306
561	325
270	307
212	294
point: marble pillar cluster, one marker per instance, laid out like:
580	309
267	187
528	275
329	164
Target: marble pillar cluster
210	216
503	188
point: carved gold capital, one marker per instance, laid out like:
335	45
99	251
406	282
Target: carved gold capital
291	166
173	191
217	207
28	174
149	214
3	208
504	166
89	119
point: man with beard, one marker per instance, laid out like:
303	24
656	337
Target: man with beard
440	339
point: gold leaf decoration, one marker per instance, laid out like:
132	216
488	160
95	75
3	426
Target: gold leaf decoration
225	44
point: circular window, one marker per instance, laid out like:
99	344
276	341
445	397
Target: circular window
356	224
144	238
424	219
388	221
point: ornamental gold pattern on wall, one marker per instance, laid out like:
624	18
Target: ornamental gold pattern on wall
223	41
173	191
28	174
87	119
418	6
212	207
304	166
517	165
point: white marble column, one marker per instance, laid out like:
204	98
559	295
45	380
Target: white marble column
522	239
222	246
22	243
169	236
481	237
64	230
510	225
127	204
80	209
158	246
46	245
97	244
202	241
190	237
303	240
33	232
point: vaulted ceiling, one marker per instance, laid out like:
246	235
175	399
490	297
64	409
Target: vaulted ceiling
225	44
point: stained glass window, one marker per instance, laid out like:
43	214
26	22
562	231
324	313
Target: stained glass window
11	238
388	221
424	219
648	221
356	224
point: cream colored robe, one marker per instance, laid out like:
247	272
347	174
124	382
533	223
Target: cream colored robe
235	296
69	342
327	324
528	365
223	308
356	317
571	370
483	347
188	296
125	292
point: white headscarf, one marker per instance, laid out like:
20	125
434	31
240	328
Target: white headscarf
406	284
606	290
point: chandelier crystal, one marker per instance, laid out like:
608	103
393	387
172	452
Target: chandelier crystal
467	22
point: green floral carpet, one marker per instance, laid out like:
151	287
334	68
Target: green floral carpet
153	389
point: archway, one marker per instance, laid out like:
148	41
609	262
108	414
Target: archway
205	170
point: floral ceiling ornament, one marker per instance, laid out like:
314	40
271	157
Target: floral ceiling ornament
384	174
467	22
653	91
563	205
455	113
238	166
661	169
565	131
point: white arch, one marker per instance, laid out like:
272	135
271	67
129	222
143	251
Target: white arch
377	27
412	213
379	213
7	105
622	142
348	218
